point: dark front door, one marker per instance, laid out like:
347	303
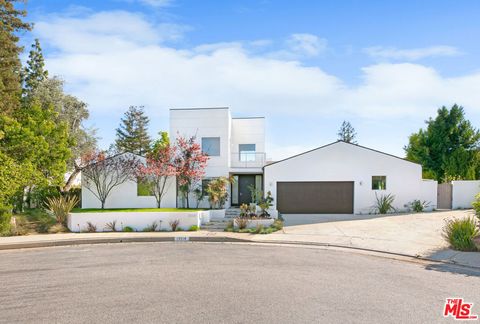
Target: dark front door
245	182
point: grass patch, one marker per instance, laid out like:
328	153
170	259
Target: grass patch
133	210
34	221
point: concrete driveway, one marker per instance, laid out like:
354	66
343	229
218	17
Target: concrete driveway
413	234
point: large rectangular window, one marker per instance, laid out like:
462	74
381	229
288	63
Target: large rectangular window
211	146
379	183
247	152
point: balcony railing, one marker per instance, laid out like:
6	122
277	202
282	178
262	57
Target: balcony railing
247	160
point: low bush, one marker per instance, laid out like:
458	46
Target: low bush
178	229
194	228
460	233
278	224
242	222
111	226
40	221
5	221
476	205
91	228
61	206
58	228
418	205
174	224
151	228
383	204
128	229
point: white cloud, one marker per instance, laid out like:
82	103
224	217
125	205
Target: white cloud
306	44
112	64
157	3
413	54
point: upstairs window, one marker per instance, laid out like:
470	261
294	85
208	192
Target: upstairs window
379	183
211	146
247	152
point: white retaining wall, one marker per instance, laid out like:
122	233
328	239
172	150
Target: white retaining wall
464	192
77	222
428	193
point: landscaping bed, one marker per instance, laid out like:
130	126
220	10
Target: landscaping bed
144	219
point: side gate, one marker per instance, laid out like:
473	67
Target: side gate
444	196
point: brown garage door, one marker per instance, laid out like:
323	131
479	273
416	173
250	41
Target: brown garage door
315	197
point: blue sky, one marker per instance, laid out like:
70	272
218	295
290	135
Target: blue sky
385	66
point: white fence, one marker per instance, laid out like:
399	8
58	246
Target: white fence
464	192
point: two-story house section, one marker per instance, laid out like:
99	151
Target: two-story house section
236	147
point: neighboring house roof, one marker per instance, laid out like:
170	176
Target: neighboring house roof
337	142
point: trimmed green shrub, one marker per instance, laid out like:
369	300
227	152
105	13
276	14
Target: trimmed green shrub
460	233
151	228
128	229
194	228
418	205
383	204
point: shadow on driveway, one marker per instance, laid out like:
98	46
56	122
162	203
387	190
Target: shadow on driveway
455	269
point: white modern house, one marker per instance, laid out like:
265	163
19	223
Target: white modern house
344	178
338	178
236	148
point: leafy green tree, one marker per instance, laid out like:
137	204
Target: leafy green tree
34	73
11	24
448	148
347	133
132	134
73	112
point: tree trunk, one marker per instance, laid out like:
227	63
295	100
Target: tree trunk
103	204
70	180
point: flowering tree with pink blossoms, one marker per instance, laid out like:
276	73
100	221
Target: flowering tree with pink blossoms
159	168
190	163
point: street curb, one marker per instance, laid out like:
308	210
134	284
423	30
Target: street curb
80	241
213	239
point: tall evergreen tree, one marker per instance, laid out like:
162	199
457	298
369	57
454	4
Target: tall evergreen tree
132	134
448	148
347	133
11	24
34	72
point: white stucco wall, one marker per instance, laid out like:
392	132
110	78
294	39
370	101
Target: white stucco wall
464	192
125	196
77	222
428	193
211	122
248	131
345	162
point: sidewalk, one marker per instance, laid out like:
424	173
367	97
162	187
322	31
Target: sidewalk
415	235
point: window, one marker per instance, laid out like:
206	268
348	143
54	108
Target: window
247	152
211	146
143	188
379	183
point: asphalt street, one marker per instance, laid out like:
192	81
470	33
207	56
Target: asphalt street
224	283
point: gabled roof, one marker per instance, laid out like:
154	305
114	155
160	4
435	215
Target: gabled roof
339	141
